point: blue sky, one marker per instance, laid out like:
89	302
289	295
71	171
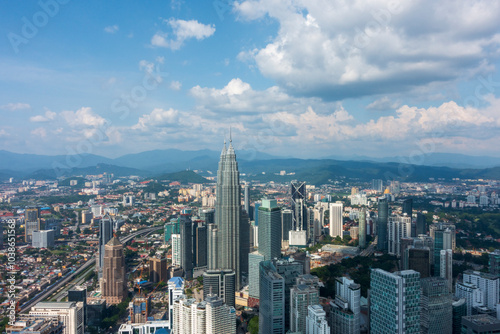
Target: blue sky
290	77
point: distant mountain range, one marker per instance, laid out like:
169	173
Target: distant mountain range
453	160
255	165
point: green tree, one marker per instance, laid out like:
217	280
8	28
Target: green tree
253	325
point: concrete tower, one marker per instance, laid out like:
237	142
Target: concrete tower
114	281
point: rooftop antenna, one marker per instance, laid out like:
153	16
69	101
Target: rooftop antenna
230	136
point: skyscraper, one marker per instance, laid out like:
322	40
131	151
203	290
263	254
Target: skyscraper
105	234
272	300
31	223
176	250
336	222
303	294
378	185
286	226
246	199
408	207
442	241
398	227
43	239
445	266
345	309
382	221
221	283
211	316
79	294
459	309
254	260
212	250
494	262
186	245
488	284
114	280
298	197
200	246
207	215
175	290
158	270
269	229
418	260
436	306
362	228
316	320
394	302
228	215
421	226
289	270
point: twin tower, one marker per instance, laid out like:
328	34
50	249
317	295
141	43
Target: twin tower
229	239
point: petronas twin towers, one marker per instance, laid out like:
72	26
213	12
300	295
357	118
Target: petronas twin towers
233	229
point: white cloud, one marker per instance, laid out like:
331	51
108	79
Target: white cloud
111	29
15	106
175	85
48	116
39	132
157	118
83	117
338	49
384	103
238	96
3	133
181	31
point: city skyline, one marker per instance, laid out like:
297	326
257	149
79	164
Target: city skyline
369	80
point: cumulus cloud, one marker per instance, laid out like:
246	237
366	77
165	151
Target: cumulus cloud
83	117
111	29
239	96
157	118
48	116
15	106
181	31
339	49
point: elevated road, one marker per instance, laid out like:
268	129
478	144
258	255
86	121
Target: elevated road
70	276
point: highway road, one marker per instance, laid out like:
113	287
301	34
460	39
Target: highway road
370	249
70	276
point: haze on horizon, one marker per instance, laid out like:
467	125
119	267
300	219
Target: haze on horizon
291	78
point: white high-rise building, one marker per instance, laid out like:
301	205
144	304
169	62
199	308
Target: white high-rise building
220	317
345	309
69	313
175	290
397	228
483	200
488	284
96	210
176	249
471	293
316	320
336	222
211	316
43	239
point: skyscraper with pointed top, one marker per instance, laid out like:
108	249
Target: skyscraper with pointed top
231	230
